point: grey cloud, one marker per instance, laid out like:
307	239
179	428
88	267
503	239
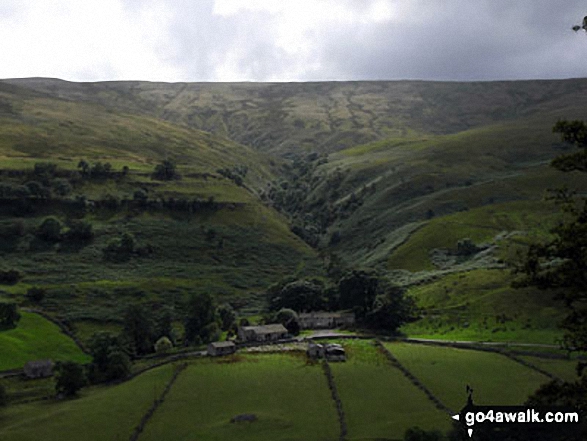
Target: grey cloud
462	40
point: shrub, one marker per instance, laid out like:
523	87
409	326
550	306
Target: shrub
79	231
9	314
163	345
62	187
166	171
35	294
50	230
10	277
110	361
70	378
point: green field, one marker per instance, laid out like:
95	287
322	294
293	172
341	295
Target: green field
290	398
101	413
36	338
564	369
496	380
378	401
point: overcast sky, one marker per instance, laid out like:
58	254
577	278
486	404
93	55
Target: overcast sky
292	40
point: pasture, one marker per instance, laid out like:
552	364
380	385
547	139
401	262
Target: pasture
378	401
290	398
101	413
446	371
36	338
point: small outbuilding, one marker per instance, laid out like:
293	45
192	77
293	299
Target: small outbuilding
38	369
330	351
271	332
221	348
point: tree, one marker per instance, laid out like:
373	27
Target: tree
200	314
35	294
79	231
559	265
50	230
227	316
166	171
289	319
391	309
9	314
299	295
163	345
70	378
84	167
139	329
109	358
358	290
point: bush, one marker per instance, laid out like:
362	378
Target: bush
10	277
9	314
163	345
70	378
50	230
166	171
3	396
35	294
79	231
110	361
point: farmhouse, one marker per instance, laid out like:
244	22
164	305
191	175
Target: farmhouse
262	333
38	369
221	348
326	320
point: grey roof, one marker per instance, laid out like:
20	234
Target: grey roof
325	314
266	329
222	344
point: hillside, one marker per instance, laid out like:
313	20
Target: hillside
390	175
282	118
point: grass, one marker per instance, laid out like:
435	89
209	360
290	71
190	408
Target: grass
564	369
36	338
290	398
481	305
480	225
496	380
378	401
101	413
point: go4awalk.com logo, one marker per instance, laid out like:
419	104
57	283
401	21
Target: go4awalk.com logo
518	422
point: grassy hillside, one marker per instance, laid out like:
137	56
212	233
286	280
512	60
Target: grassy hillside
290	399
284	117
495	379
36	338
101	412
205	230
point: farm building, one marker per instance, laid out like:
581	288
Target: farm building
38	369
330	351
221	348
326	320
262	333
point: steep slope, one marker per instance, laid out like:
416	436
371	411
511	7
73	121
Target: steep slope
284	117
154	240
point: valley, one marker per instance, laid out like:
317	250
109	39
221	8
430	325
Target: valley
126	206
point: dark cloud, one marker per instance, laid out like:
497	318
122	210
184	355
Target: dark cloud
444	40
463	40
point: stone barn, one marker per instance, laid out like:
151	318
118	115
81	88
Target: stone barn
38	369
262	333
221	348
325	320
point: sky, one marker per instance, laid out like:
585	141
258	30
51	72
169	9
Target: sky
292	40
